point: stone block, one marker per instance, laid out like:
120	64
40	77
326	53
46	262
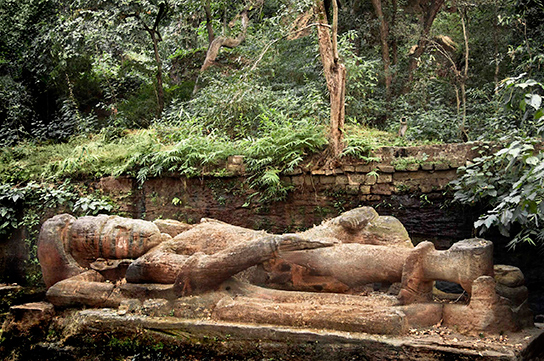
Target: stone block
385	178
427	166
370	179
352	189
357	178
235	168
404	176
382	189
131	305
371	198
319	171
156	307
32	311
508	275
236	160
515	294
363	168
338	171
327	179
115	185
365	189
295	171
342	180
348	168
386	168
29	319
456	162
441	166
427	188
447	173
412	167
309	180
298	180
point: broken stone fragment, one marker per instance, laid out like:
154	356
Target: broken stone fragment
509	276
29	318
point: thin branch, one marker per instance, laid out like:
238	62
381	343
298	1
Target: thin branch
465	36
283	37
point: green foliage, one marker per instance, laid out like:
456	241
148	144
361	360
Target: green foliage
282	148
437	124
510	183
190	156
523	98
361	80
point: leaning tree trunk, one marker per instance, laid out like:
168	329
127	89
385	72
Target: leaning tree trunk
429	14
222	41
227	42
335	75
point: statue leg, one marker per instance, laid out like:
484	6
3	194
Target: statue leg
88	288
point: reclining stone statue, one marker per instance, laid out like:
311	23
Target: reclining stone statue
107	261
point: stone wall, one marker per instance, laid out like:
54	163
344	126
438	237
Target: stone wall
410	183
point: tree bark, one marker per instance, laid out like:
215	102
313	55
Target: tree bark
496	45
384	35
160	89
227	42
464	78
209	26
394	45
335	76
221	41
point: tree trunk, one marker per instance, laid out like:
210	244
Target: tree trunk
394	46
496	45
429	14
227	42
160	89
218	43
384	34
335	76
464	79
209	26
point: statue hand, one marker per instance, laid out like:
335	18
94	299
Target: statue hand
293	242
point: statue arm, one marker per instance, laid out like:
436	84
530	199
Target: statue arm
206	272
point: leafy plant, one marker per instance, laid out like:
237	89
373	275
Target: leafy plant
510	184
